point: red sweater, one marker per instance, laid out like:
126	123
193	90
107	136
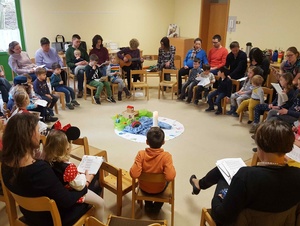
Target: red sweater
153	160
217	57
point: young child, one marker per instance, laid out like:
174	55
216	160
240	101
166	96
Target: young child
223	91
153	160
190	83
257	97
114	72
57	150
41	88
78	59
244	93
204	85
92	73
58	85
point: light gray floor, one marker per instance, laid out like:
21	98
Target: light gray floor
206	139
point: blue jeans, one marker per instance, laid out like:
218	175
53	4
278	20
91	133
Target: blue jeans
68	91
210	97
4	88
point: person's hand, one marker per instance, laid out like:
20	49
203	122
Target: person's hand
31	71
186	67
84	62
125	59
94	67
227	99
167	64
61	82
283	111
142	59
49	96
89	177
229	76
240	92
270	106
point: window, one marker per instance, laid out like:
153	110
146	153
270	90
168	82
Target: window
10	23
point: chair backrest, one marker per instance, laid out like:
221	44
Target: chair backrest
206	218
117	220
32	60
269	93
172	72
108	169
142	73
82	141
92	221
177	61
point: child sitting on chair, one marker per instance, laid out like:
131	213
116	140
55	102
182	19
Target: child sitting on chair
41	88
191	82
223	91
204	83
153	160
58	85
92	75
114	72
78	59
257	97
245	92
57	152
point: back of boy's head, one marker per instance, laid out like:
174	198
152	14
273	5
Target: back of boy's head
197	60
257	80
20	98
56	146
257	70
206	67
93	57
55	66
224	70
40	71
155	137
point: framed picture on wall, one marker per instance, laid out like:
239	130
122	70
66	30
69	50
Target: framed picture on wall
173	31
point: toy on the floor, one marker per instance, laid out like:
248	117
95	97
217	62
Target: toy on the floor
136	122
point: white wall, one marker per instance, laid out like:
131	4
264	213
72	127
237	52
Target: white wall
114	20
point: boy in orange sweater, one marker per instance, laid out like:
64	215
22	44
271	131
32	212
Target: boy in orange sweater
153	160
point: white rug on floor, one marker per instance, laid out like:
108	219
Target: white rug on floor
175	131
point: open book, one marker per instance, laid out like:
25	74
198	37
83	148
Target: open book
202	81
229	167
90	163
294	154
42	103
39	66
282	97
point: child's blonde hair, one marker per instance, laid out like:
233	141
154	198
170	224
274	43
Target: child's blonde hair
77	51
257	80
56	147
21	98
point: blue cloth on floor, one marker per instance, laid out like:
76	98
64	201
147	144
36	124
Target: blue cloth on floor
146	124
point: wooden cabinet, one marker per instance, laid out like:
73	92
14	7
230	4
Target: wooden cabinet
183	45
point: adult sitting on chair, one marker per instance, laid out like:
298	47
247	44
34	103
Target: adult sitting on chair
236	61
47	56
26	176
258	59
19	61
4	86
196	52
272	186
76	40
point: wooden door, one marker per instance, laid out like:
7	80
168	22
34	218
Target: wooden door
214	20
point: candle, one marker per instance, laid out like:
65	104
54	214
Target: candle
155	118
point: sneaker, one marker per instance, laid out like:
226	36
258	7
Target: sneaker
249	122
181	98
50	110
218	112
80	94
70	106
234	114
209	109
75	103
111	99
196	102
50	119
97	100
129	96
254	149
253	128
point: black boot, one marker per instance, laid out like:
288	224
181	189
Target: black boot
119	95
128	94
232	110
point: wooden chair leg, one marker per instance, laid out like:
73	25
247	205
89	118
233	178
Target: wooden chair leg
241	116
158	92
119	205
55	108
62	101
172	89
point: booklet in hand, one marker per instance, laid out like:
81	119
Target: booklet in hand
229	167
90	163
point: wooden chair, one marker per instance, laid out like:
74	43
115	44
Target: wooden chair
142	84
35	204
84	148
114	179
87	86
168	84
70	75
62	101
165	196
268	93
206	218
2	199
235	83
123	221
